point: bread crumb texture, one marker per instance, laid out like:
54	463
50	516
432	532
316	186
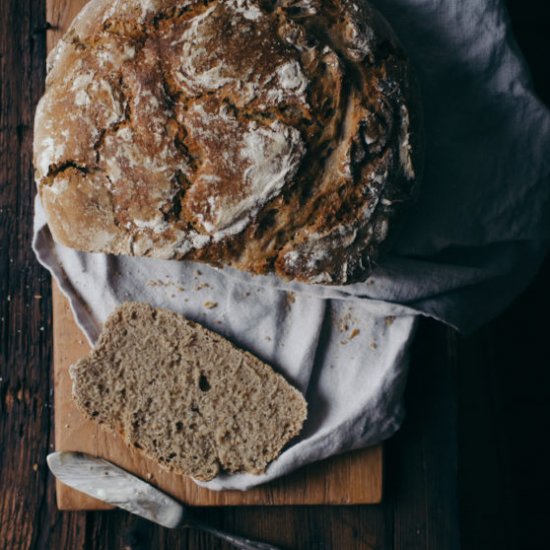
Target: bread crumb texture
184	396
270	136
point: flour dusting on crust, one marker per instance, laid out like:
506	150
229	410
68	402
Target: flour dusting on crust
268	136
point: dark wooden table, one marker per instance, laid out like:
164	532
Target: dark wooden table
470	464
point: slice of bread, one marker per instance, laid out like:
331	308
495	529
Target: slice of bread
185	396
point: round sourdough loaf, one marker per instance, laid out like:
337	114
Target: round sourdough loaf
270	136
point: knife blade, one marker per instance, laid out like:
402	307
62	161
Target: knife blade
105	481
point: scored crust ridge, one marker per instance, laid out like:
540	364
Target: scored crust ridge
269	136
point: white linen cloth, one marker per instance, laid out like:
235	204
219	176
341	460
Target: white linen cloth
472	241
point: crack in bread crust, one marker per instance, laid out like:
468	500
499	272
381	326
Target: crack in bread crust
272	136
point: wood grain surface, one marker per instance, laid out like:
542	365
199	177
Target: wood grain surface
473	445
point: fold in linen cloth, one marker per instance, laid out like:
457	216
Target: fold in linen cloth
472	241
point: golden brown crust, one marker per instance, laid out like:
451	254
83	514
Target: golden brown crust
271	136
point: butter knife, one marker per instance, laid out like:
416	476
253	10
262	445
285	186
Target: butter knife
104	481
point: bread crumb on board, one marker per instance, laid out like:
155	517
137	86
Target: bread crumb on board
345	322
156	283
353	334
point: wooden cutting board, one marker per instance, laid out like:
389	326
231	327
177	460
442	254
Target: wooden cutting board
352	478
